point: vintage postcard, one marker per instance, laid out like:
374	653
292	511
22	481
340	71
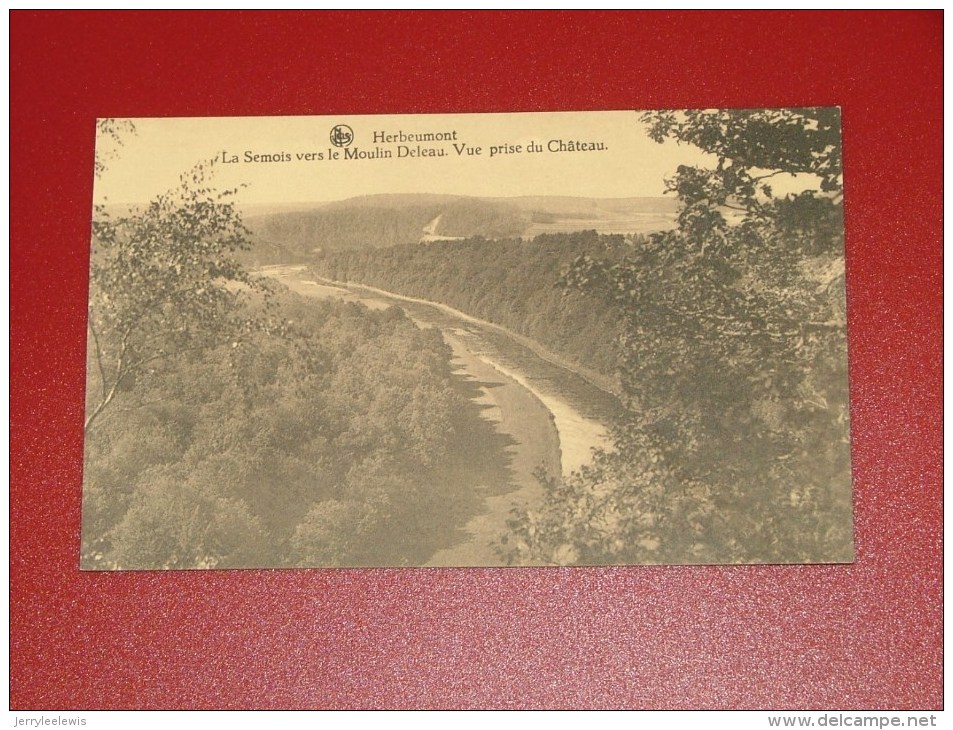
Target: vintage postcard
586	338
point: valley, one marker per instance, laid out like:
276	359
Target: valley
551	416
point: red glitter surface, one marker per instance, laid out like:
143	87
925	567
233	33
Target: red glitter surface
862	636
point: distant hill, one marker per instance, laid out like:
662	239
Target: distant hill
298	232
572	207
563	214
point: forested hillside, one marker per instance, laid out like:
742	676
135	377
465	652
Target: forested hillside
509	282
376	222
328	445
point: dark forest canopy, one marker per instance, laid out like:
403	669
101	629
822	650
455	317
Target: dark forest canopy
324	447
513	283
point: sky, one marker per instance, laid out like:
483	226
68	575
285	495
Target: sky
626	162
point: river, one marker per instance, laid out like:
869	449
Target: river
553	415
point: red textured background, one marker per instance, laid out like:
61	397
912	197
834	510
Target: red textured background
861	636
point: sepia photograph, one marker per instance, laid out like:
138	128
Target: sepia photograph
470	340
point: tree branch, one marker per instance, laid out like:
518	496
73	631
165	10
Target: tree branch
759	178
99	354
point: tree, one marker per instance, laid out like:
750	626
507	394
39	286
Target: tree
177	519
164	282
733	447
744	141
753	147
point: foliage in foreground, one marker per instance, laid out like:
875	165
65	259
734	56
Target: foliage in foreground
231	424
317	449
165	281
733	367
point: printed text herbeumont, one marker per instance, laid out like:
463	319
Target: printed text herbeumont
401	136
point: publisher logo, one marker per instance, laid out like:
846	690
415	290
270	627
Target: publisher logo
342	135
